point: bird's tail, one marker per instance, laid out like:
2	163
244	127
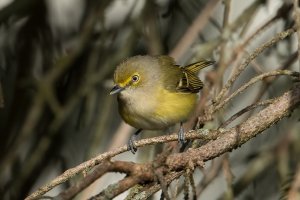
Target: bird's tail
189	81
197	66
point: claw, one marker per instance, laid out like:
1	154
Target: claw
130	145
181	138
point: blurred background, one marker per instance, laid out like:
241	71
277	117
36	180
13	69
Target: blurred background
57	59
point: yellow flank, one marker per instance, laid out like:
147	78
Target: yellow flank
159	110
174	107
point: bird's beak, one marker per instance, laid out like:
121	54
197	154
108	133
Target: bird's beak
116	89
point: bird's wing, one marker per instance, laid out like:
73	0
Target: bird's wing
182	79
189	81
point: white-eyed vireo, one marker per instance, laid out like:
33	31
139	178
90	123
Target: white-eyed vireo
154	93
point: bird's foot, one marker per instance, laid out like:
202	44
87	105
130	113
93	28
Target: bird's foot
181	137
131	145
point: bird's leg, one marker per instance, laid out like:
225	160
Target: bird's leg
181	138
130	145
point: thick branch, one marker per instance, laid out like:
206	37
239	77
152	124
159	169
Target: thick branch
106	166
236	136
200	134
229	139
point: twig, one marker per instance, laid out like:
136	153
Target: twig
29	125
230	139
252	81
186	185
256	52
295	188
200	134
234	137
267	84
117	188
193	185
297	20
209	175
150	191
228	177
256	167
56	71
164	186
192	33
244	110
239	50
225	39
106	166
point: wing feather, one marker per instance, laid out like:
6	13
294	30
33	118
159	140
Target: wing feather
189	81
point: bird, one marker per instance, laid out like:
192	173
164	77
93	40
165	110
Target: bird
154	93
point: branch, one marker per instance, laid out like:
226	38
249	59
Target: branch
139	173
297	20
150	191
244	110
192	33
238	135
254	80
199	134
295	188
257	52
229	139
128	168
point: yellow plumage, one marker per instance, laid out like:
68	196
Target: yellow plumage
154	93
158	111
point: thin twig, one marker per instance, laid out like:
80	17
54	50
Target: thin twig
192	33
239	50
244	110
163	184
256	167
117	188
186	185
228	140
236	136
297	20
256	52
106	166
225	38
294	192
153	189
209	175
193	185
251	82
97	160
228	177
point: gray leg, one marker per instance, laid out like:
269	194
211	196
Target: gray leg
181	138
130	145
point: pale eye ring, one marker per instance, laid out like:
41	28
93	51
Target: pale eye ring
135	78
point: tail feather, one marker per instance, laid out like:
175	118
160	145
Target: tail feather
189	82
197	66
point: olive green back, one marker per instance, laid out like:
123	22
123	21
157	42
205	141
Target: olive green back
182	79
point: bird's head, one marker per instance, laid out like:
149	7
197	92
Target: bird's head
134	73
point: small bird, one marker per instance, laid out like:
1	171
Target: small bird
154	93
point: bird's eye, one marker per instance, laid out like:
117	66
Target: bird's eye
135	78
